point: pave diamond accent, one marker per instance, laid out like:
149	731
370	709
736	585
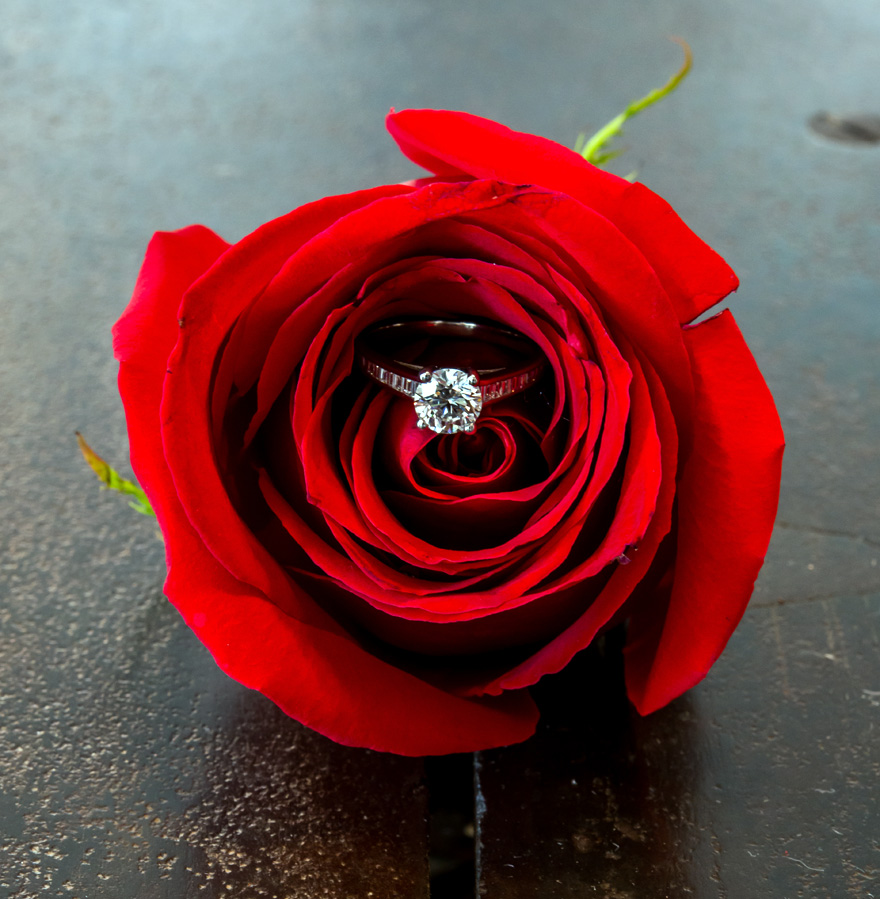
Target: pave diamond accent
448	400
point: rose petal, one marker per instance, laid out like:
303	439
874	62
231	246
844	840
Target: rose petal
727	499
173	261
452	144
148	327
328	682
625	579
143	339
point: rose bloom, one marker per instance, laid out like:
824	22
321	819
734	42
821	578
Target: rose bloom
399	589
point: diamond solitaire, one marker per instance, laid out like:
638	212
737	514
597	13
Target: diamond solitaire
447	400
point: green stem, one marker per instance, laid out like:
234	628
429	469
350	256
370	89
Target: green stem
593	148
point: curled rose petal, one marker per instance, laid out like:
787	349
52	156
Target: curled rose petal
401	589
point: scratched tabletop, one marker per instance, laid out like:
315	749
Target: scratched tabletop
129	765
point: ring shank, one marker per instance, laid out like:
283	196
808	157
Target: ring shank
403	377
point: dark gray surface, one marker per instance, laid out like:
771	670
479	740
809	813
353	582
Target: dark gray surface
128	765
764	784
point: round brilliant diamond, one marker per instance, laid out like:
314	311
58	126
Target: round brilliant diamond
448	400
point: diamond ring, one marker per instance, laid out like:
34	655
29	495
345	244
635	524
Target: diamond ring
448	400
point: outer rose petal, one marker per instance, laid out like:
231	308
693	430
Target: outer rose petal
309	666
325	680
144	337
174	259
727	498
452	144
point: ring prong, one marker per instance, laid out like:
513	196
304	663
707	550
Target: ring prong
425	376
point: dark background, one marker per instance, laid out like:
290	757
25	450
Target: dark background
129	766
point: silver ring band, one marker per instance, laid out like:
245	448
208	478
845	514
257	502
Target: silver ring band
448	400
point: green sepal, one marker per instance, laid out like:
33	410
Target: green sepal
112	480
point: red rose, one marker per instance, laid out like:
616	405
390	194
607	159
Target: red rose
398	589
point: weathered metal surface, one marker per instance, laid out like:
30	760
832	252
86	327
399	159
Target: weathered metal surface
131	767
128	765
763	783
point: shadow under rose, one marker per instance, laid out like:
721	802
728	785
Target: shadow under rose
600	797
